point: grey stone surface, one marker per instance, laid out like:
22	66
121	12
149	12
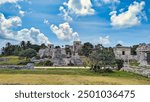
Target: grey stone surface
141	71
59	56
124	53
28	66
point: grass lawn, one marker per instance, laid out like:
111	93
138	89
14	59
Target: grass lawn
70	77
11	60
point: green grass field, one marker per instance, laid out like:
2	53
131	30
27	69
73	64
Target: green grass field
69	77
11	60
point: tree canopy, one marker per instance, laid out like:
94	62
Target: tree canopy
86	49
28	53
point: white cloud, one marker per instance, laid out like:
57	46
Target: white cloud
111	1
46	22
8	1
120	42
64	32
65	14
131	17
104	40
6	31
22	13
34	35
80	7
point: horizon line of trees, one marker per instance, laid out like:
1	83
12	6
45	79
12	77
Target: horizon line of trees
16	50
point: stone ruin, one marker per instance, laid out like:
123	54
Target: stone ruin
62	56
18	67
143	54
142	57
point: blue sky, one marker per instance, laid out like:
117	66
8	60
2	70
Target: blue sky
62	21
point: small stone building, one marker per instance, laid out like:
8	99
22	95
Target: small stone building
143	54
122	52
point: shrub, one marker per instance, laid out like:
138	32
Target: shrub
100	69
24	63
45	63
134	63
48	63
28	53
119	63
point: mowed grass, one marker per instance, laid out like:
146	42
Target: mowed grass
69	77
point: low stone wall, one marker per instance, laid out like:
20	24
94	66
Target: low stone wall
141	71
18	67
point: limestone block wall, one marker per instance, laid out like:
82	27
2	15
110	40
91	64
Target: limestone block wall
141	71
28	66
122	53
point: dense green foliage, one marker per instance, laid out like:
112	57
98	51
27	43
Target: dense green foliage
102	59
45	63
134	63
14	50
119	63
133	49
28	53
86	49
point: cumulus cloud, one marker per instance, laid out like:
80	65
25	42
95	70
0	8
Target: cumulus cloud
34	35
65	14
6	31
104	40
22	13
129	18
64	32
8	1
111	1
80	7
19	8
46	22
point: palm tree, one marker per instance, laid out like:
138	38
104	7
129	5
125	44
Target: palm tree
28	44
23	44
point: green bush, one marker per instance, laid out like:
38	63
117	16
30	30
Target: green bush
119	63
48	63
45	63
134	63
100	69
24	63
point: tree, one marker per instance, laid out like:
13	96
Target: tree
118	45
43	46
133	49
28	53
87	49
28	45
101	59
35	47
8	50
23	45
99	46
119	63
